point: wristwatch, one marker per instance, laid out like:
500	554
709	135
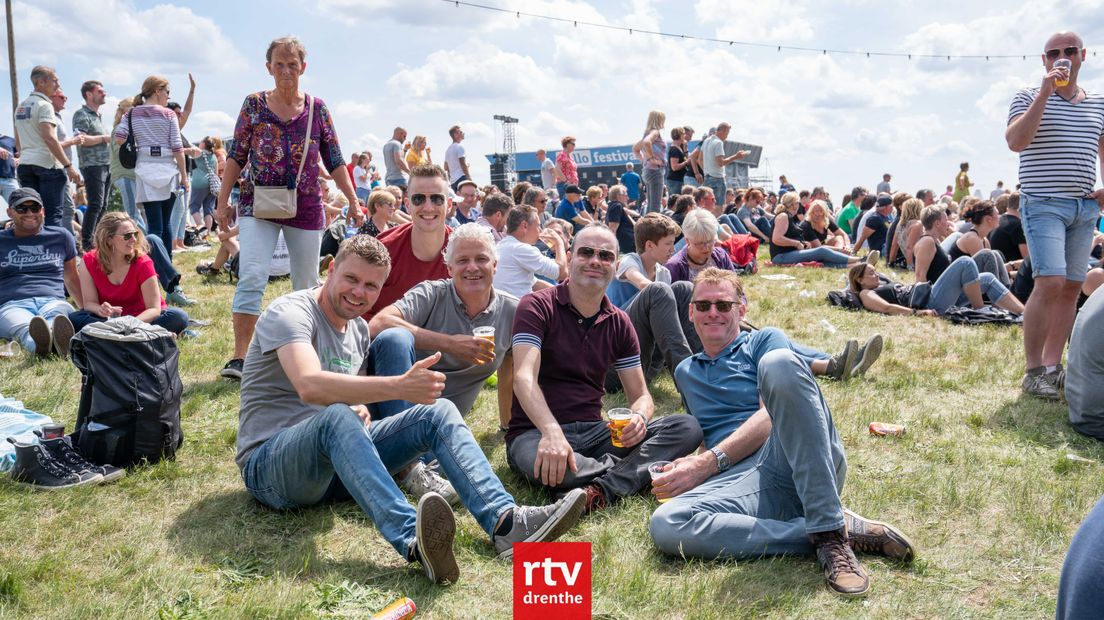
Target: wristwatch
722	459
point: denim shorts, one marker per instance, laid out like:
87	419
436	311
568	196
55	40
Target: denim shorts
1059	234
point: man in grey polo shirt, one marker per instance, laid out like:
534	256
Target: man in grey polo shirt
95	156
393	160
714	160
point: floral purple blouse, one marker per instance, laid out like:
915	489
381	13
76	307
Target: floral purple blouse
273	150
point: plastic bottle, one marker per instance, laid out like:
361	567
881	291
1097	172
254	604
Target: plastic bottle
401	609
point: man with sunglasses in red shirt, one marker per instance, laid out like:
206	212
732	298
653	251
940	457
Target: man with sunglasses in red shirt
1058	130
37	264
566	338
417	248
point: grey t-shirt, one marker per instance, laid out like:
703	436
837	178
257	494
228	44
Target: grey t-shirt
434	305
269	402
391	150
1085	372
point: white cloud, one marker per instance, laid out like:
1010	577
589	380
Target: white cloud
474	73
353	110
210	123
994	103
765	20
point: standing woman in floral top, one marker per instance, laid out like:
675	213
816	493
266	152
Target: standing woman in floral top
567	166
160	171
269	138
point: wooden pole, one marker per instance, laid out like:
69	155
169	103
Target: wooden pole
11	60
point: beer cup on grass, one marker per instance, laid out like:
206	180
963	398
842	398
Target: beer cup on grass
618	420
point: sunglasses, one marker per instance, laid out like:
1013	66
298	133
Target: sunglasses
586	252
21	209
419	199
1070	52
703	305
129	236
541	201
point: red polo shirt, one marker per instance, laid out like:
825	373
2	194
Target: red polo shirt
575	356
406	269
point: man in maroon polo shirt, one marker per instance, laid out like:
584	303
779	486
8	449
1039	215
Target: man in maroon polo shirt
566	338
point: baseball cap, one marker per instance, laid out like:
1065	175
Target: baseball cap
22	195
572	189
466	182
884	200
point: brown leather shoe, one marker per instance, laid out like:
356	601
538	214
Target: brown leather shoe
845	575
595	498
876	537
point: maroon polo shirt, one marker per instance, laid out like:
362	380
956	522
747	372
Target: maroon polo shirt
575	354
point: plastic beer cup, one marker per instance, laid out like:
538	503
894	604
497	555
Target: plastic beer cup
1068	65
618	420
656	470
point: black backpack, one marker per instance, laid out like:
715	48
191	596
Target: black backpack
130	393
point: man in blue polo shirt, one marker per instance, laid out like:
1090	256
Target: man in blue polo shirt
770	480
571	208
631	181
566	338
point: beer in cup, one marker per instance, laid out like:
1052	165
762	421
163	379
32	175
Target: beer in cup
656	470
1063	63
618	420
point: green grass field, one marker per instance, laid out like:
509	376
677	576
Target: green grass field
981	482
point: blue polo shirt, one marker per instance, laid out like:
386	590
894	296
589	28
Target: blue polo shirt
723	392
567	211
631	181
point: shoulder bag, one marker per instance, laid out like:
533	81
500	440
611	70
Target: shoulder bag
128	150
281	202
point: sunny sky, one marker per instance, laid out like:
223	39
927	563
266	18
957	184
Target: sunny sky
832	120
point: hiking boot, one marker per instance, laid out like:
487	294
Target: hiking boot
541	523
62	335
841	364
233	369
435	529
595	498
422	480
1036	383
872	258
867	355
36	467
876	537
845	575
40	334
178	298
62	449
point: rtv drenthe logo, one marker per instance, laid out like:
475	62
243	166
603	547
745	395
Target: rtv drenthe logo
552	580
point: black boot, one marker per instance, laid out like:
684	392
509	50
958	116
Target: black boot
36	467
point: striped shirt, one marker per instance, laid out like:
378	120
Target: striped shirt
1061	159
154	126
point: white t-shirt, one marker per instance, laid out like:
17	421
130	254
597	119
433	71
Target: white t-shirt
34	110
519	264
366	183
633	261
452	160
712	148
548	176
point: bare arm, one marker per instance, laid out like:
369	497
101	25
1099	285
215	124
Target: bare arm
872	302
1021	130
925	252
187	111
467	347
73	282
230	176
464	166
778	235
505	389
151	298
49	136
319	387
554	454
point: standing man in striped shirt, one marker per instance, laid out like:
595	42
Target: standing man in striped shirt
1058	130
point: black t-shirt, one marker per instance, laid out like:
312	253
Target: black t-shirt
1008	236
793	231
880	225
939	263
676	153
626	237
810	234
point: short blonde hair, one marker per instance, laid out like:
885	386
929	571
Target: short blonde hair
378	198
715	275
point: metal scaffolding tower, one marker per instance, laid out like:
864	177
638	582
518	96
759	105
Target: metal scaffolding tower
508	156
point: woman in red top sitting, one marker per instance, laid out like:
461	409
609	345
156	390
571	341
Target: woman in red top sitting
118	279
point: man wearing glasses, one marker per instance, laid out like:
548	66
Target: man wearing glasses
416	248
43	164
37	264
566	338
1058	130
769	481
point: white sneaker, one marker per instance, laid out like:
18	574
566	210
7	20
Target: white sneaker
422	480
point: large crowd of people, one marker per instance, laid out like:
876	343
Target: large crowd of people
415	285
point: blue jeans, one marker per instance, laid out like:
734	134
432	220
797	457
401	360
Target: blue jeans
560	187
334	456
823	254
179	218
7	186
167	275
16	315
653	181
717	184
675	187
1059	234
50	183
391	354
97	183
363	193
735	224
174	320
159	219
258	241
126	194
769	503
948	289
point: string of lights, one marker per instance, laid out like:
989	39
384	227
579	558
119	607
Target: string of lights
735	43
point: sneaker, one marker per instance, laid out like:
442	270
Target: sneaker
595	498
876	537
841	364
845	575
422	480
37	468
542	523
867	355
40	334
62	335
178	298
1057	378
1036	383
62	449
203	268
872	258
435	528
233	369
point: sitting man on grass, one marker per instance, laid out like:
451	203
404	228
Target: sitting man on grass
305	435
37	264
770	480
565	340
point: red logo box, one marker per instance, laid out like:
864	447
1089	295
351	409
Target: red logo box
552	580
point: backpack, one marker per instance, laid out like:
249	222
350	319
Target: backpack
130	393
